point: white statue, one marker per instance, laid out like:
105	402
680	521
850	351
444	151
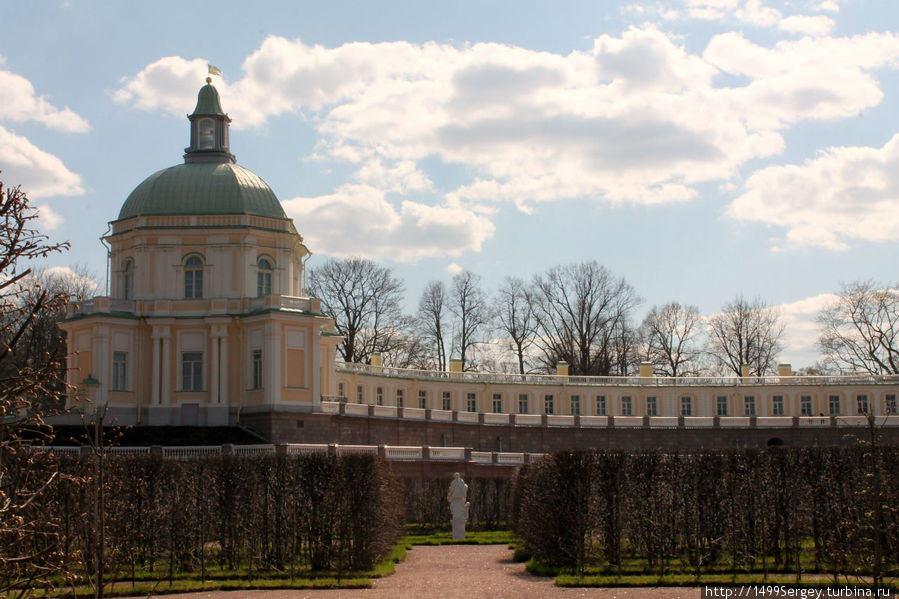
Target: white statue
458	506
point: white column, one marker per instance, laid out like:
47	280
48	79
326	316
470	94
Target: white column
272	357
223	371
315	346
214	368
157	342
102	361
165	396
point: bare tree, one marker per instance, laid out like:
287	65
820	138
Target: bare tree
27	534
580	311
364	300
746	332
860	329
469	305
670	334
431	319
514	316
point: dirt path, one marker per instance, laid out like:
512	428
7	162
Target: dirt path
457	572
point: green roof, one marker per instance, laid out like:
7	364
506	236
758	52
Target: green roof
208	101
203	188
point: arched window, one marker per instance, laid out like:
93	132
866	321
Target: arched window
193	277
128	280
263	277
207	134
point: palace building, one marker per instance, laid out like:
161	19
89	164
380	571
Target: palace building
207	323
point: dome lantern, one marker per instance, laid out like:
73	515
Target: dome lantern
209	129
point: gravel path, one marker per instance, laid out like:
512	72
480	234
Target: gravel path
458	572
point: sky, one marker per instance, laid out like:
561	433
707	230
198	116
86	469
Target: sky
698	148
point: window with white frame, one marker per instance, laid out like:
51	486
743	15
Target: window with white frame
549	404
721	405
805	405
627	406
652	406
600	405
889	403
263	277
340	393
400	398
193	277
861	404
833	405
422	399
523	403
128	280
575	401
471	402
257	368
686	406
360	394
749	405
192	371
379	396
119	371
497	403
777	405
447	401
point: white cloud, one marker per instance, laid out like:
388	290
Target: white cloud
454	269
49	219
635	119
801	328
808	24
358	220
828	5
40	174
20	104
843	195
755	12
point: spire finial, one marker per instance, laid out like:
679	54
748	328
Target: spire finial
209	80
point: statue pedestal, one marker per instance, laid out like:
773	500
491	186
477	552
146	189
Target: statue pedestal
458	529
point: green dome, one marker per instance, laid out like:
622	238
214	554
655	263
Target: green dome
203	188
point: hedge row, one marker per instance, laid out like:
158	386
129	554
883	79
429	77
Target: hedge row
823	509
166	517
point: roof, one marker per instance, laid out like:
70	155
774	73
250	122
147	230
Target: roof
208	101
203	188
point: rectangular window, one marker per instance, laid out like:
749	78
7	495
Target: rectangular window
400	398
422	399
192	371
549	406
721	405
749	405
340	390
471	402
627	407
575	405
833	403
379	396
360	393
447	401
652	406
257	369
497	403
777	405
861	404
889	401
119	371
805	405
600	405
686	406
523	403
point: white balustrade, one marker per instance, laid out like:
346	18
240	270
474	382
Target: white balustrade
306	448
699	422
628	421
442	415
253	450
330	407
356	409
193	451
467	416
734	422
384	412
595	421
357	449
400	452
513	459
663	422
774	421
528	419
559	420
455	454
491	418
414	413
482	457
